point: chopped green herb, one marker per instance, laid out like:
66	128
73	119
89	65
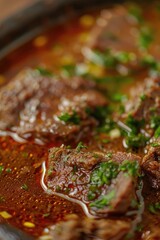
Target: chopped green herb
24	154
70	118
58	188
68	70
155	121
8	170
1	169
155	144
121	109
143	97
103	59
136	12
100	113
105	140
134	203
139	228
134	124
103	201
109	155
157	133
124	57
2	199
80	146
44	72
46	214
145	37
118	97
153	208
110	59
131	167
136	140
104	173
107	126
75	169
24	187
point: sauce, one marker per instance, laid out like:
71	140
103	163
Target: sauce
22	194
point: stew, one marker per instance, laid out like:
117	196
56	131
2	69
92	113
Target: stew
80	128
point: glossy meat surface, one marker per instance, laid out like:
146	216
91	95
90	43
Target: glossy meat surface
80	128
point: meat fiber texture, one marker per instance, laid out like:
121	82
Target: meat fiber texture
71	172
31	105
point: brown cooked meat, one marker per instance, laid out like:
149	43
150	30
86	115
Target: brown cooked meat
151	165
37	105
74	228
145	101
103	181
110	31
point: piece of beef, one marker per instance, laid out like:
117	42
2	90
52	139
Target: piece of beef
74	228
145	100
151	165
105	182
111	29
33	104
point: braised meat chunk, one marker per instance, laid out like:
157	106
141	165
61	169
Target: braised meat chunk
109	33
145	102
74	228
151	165
38	105
105	182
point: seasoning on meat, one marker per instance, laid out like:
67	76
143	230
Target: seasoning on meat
106	183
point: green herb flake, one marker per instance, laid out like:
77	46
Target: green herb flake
136	12
105	141
136	140
44	72
155	144
155	121
80	146
24	187
145	37
153	208
135	125
157	133
68	70
103	201
2	199
1	169
143	97
46	214
8	170
104	173
70	118
109	155
118	97
130	167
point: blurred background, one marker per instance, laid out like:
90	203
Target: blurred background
9	7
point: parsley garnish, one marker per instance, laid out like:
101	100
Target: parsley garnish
145	37
24	187
2	199
157	133
155	144
131	167
104	173
80	146
136	12
153	208
104	200
44	72
155	121
70	118
1	169
136	140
